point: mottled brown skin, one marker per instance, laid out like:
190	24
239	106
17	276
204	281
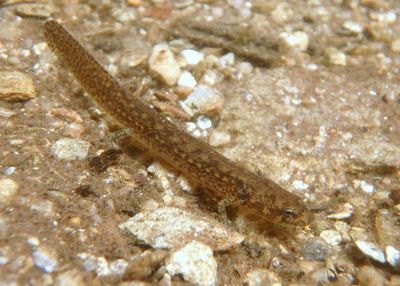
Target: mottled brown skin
223	180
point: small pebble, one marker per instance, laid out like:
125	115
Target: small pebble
162	62
6	113
371	250
118	267
336	57
384	17
16	86
331	237
33	241
245	67
70	149
395	46
364	186
300	185
393	257
296	41
261	277
9	170
8	189
203	100
353	27
226	60
344	229
192	57
203	122
45	259
36	10
187	80
195	262
92	263
282	12
74	130
345	213
69	278
44	207
315	249
169	227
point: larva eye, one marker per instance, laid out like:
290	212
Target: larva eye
288	213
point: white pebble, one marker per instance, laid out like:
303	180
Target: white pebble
195	262
118	267
384	17
245	67
8	188
371	250
211	77
9	170
45	259
300	185
33	241
187	80
353	27
393	256
345	213
226	60
192	57
91	263
202	99
364	186
297	41
169	227
203	122
162	62
70	149
331	237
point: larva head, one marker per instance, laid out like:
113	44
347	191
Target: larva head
290	211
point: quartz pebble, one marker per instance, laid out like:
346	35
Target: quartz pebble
162	62
331	237
192	57
393	257
202	99
371	250
364	186
195	262
8	189
169	227
70	149
16	86
45	259
187	80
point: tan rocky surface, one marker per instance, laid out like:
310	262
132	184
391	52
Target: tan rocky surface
306	93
